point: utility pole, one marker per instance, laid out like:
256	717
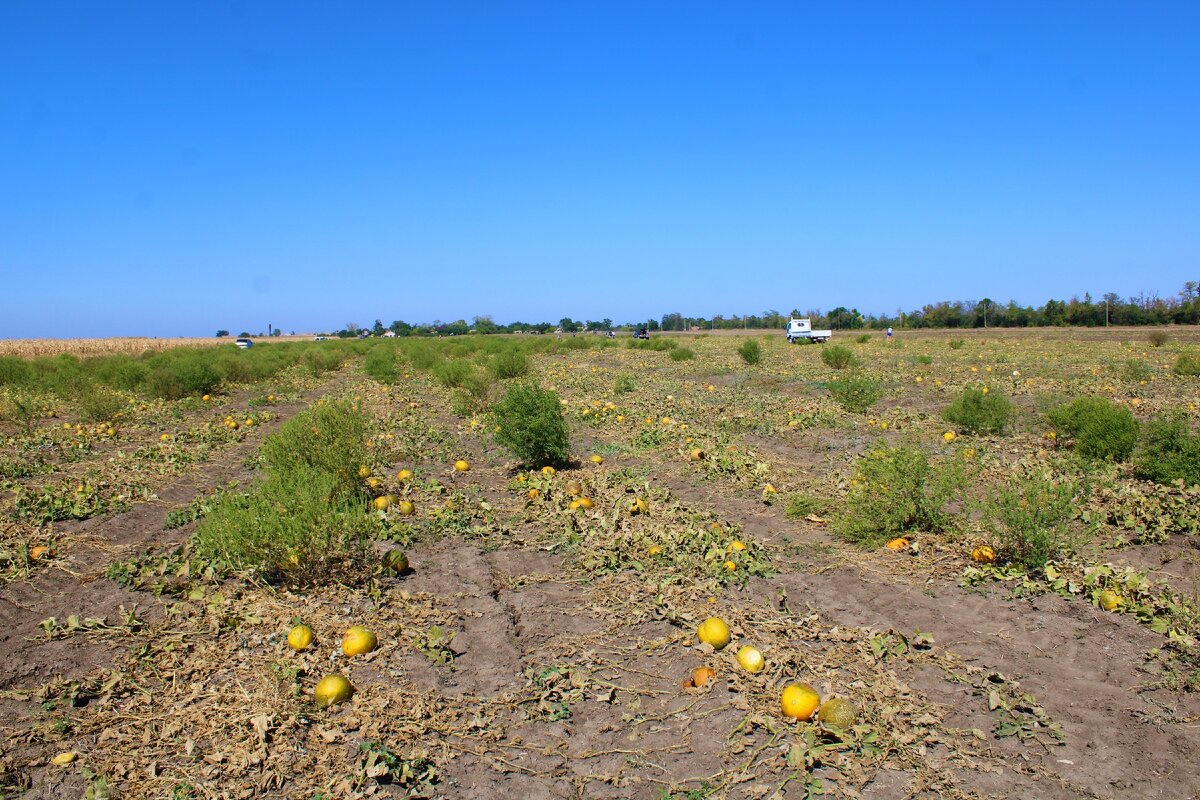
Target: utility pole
1106	312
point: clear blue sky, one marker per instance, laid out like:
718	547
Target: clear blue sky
170	168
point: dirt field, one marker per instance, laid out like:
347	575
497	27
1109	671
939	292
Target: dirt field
535	650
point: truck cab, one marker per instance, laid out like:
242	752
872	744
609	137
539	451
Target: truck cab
801	330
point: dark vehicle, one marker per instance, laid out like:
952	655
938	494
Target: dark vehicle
642	334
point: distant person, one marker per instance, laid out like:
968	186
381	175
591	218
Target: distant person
889	335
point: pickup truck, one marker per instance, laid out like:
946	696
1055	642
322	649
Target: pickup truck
801	330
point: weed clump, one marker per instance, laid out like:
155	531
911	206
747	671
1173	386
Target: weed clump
24	408
1158	338
800	506
1135	371
838	357
509	364
329	437
863	338
473	396
182	377
1168	452
453	373
298	527
1030	520
14	370
1100	429
978	410
100	404
956	344
658	345
855	392
380	364
307	521
321	360
682	354
529	422
894	489
1188	363
624	384
751	352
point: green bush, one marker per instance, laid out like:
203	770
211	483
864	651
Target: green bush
120	372
235	367
62	375
329	437
1188	363
297	527
380	363
863	338
682	354
837	356
99	404
323	359
751	352
14	371
23	407
1168	451
423	356
956	344
926	360
855	392
894	490
624	384
1100	429
453	372
1030	520
508	364
529	422
975	411
182	378
1158	338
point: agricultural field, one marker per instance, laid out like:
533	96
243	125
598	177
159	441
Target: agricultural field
32	348
957	565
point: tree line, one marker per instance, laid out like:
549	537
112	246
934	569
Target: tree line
1110	309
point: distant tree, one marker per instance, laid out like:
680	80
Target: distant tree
377	329
400	328
277	332
244	334
568	325
221	334
842	318
485	324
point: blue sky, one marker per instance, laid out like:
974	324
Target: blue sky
174	168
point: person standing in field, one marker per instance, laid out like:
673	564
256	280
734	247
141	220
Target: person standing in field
889	333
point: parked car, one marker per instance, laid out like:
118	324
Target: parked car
244	343
319	338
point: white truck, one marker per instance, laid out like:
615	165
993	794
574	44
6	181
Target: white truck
801	330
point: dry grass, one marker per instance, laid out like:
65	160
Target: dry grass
32	348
